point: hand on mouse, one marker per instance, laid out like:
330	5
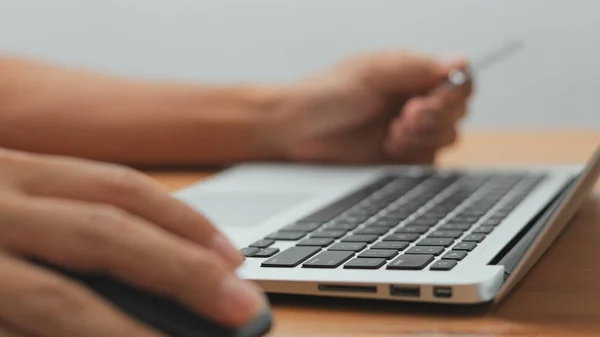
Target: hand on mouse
379	108
95	217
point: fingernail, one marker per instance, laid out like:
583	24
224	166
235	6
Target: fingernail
239	301
226	249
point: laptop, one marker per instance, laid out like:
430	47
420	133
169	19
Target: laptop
404	233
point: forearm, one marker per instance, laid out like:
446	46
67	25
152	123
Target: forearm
53	110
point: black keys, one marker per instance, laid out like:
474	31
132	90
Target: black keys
455	255
330	211
468	246
286	236
491	222
372	230
456	226
266	252
342	225
395	245
349	246
412	230
433	250
383	222
378	253
335	234
302	227
401	237
474	237
291	257
249	251
446	234
365	263
368	238
328	259
443	265
483	230
262	243
410	262
427	222
320	242
445	242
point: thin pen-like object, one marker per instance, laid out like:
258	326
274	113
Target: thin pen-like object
458	77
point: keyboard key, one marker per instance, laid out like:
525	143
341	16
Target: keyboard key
483	230
435	242
424	222
372	230
368	238
365	264
412	230
455	255
396	245
389	223
286	236
445	234
401	237
328	259
302	227
456	226
433	250
467	219
443	265
410	262
378	253
249	251
266	252
349	246
320	242
342	226
468	246
262	243
491	222
338	207
291	257
335	234
474	237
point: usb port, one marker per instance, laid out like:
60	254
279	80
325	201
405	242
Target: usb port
444	292
402	291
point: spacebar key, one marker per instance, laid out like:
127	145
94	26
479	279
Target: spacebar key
291	257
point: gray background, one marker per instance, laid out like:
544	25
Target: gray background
553	83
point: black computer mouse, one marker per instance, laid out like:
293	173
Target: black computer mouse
163	314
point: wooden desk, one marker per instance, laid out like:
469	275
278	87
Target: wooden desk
560	296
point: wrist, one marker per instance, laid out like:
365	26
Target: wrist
266	108
244	122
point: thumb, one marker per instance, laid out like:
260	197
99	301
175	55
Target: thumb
406	73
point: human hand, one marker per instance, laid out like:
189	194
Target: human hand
377	108
94	217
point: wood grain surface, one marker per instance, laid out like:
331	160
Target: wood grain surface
559	297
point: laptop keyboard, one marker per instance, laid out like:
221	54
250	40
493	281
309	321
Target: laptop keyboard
400	222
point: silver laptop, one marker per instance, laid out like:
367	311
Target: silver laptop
406	233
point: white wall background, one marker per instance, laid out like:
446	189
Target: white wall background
554	82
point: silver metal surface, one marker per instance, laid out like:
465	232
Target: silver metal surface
308	188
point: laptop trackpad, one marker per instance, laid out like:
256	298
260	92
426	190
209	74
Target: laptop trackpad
244	209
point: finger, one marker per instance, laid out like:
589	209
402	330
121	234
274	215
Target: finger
101	239
400	72
422	114
453	94
129	190
8	332
41	303
422	156
405	135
